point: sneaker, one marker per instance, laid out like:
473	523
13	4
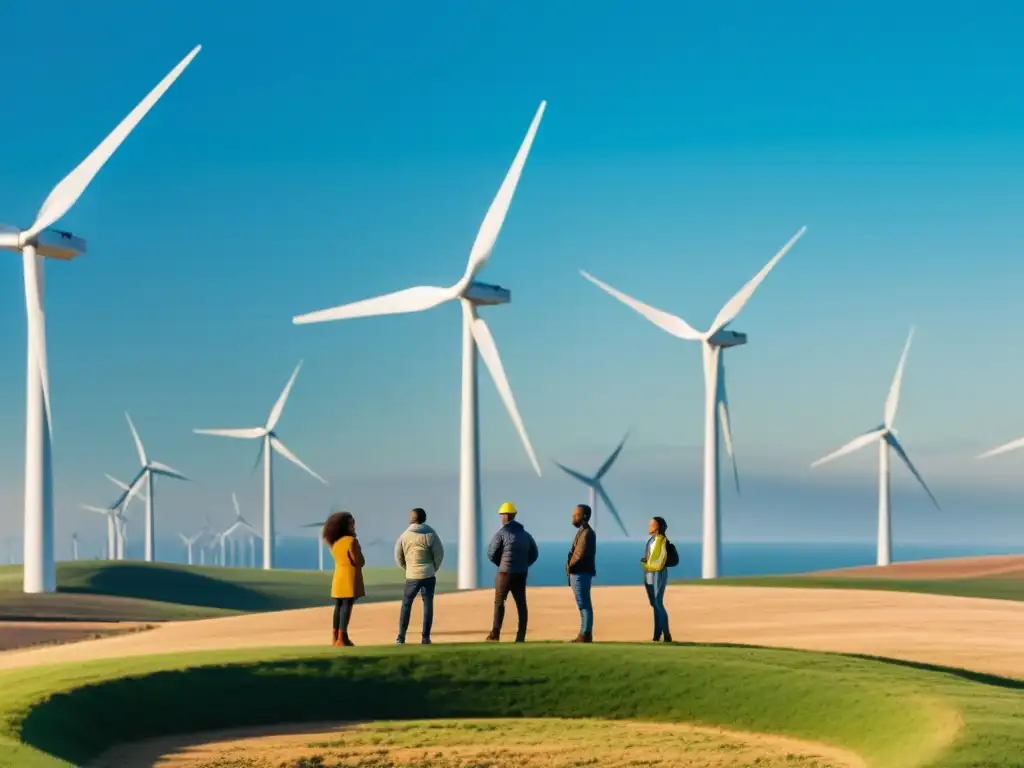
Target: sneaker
400	641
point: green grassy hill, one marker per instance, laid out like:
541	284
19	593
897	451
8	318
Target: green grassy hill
1010	588
134	591
894	715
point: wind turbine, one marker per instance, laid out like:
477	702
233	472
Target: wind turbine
111	514
318	527
885	434
270	443
35	244
596	489
475	335
240	524
148	472
189	541
716	402
121	518
74	546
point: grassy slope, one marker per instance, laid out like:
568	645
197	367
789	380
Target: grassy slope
895	715
990	587
133	591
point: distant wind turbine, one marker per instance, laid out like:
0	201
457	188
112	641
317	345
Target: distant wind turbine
74	546
713	342
318	527
241	524
189	541
596	489
885	434
111	514
148	472
270	442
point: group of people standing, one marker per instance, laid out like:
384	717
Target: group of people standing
419	552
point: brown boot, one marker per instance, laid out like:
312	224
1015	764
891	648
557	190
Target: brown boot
493	637
345	639
336	638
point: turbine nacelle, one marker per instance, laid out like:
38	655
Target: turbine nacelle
486	295
725	339
50	243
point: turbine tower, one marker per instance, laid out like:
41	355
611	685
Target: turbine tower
475	336
35	244
596	489
74	546
148	472
885	434
714	342
270	443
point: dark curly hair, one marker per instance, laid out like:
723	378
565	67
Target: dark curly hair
338	525
662	525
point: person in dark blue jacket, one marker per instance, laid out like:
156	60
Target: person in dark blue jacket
513	550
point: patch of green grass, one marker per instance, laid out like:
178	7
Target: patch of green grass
895	715
990	587
135	591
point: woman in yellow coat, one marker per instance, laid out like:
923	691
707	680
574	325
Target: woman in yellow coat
347	586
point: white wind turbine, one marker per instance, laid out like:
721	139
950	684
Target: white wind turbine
74	546
122	514
318	528
111	515
35	244
270	443
597	489
885	434
475	335
240	524
191	540
148	472
716	402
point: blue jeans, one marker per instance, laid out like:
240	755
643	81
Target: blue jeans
656	596
580	583
414	587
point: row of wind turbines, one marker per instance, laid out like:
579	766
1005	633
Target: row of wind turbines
41	241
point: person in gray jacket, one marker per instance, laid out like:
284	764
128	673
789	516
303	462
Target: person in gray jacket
419	552
513	550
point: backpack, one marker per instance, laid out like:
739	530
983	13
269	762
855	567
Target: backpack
672	556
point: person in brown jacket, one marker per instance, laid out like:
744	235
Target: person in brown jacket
581	568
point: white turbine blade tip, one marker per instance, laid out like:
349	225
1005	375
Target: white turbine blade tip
668	323
416	299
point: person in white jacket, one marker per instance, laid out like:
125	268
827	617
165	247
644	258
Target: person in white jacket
419	552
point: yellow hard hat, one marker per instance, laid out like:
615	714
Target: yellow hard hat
508	508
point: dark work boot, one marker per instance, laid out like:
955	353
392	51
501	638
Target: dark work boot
584	637
493	637
345	639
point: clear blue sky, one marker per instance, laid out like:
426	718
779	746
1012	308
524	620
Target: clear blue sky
323	152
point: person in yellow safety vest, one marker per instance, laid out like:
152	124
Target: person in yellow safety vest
656	576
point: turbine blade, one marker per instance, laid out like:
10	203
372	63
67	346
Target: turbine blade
853	445
134	487
138	442
573	473
892	402
610	507
736	303
416	299
495	217
36	318
238	510
1010	446
163	469
489	353
725	418
890	438
245	433
259	455
670	323
99	510
123	486
611	459
275	413
280	447
71	187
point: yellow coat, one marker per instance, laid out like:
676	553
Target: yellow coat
348	568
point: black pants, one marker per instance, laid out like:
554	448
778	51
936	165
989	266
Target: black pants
504	584
342	613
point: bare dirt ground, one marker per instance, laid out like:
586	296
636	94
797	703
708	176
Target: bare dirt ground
982	635
987	567
519	743
23	634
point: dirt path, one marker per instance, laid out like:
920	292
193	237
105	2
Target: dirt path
519	743
24	634
983	635
986	567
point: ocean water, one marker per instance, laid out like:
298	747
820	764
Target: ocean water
618	562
